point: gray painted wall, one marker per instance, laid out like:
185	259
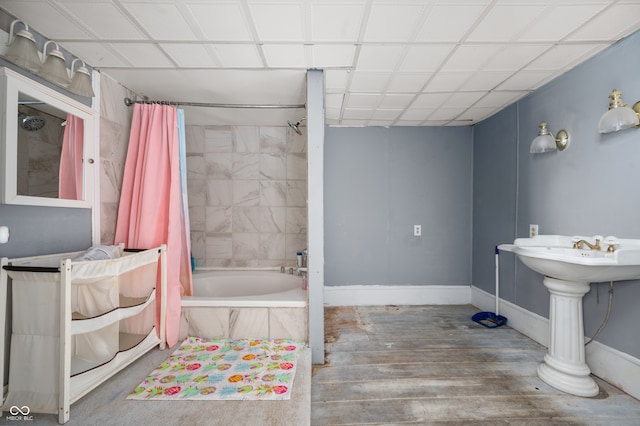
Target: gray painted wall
379	182
590	188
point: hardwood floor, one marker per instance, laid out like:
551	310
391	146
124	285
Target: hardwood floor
434	365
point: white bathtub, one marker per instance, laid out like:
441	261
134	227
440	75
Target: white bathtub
245	304
240	288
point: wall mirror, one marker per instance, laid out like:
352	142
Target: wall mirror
47	148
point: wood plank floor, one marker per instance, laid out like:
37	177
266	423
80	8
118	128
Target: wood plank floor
434	365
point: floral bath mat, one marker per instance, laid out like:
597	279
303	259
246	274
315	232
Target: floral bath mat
224	369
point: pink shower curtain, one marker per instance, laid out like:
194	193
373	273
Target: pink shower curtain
70	175
150	211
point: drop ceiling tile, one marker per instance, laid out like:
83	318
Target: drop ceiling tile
46	20
220	22
336	80
527	80
332	113
477	114
430	100
278	21
238	55
505	21
392	22
447	22
357	113
363	100
463	99
143	55
446	113
284	55
408	123
394	100
563	56
353	123
408	82
516	56
560	21
105	20
425	58
415	114
336	22
447	81
334	100
471	57
163	21
379	58
486	80
500	99
95	54
386	114
619	20
332	55
369	81
190	55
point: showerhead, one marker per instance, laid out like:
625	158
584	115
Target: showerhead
296	126
31	123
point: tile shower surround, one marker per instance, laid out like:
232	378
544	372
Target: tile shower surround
247	190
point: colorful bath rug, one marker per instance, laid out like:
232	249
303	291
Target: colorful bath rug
224	369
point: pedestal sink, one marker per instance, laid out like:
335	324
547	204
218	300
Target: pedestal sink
568	273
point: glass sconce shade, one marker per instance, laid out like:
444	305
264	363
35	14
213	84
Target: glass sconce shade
543	143
55	67
81	81
546	142
23	50
619	116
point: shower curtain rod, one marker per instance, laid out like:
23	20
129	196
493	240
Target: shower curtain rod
129	102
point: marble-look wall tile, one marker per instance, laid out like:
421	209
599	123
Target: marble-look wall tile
246	166
218	219
218	139
273	219
288	323
219	165
293	244
245	322
196	168
197	192
197	218
246	193
296	193
246	139
273	140
295	142
195	139
198	247
297	166
219	246
219	193
246	219
246	246
272	246
273	193
296	220
207	322
273	166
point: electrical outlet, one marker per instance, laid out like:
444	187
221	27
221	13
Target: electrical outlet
417	230
533	230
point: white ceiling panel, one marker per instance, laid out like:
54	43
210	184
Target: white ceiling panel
446	62
163	21
278	22
392	22
143	55
105	20
336	22
560	21
238	55
440	27
190	55
613	23
379	58
221	22
505	21
425	58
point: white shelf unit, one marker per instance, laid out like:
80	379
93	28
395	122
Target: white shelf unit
77	323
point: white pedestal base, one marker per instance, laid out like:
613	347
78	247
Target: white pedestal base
564	365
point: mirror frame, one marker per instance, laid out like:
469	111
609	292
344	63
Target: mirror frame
12	84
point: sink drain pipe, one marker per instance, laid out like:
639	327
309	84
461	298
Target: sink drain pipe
606	318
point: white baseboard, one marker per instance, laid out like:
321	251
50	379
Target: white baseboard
615	367
371	295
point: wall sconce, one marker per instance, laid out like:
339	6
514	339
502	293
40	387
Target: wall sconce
22	48
55	66
81	81
619	116
546	142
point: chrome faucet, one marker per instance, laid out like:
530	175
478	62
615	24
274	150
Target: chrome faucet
578	244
